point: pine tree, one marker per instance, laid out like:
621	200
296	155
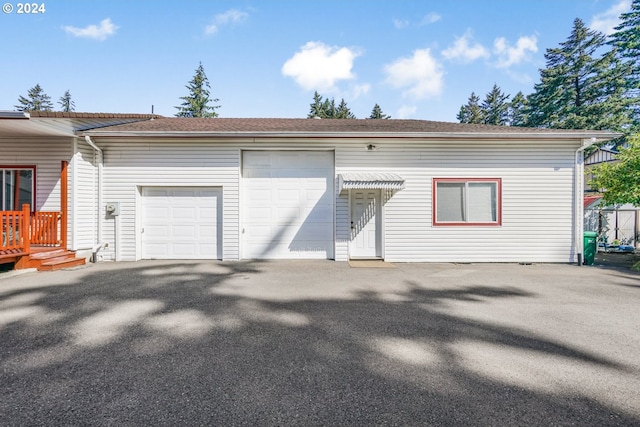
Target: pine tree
196	104
343	111
495	107
66	103
376	113
579	89
517	110
317	107
626	40
471	112
36	100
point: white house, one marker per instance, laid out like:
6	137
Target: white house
231	189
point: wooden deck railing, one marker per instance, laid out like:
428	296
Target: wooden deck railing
21	229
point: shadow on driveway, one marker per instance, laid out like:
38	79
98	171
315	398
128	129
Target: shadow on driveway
259	343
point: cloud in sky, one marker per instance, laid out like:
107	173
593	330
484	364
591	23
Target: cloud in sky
421	75
605	21
465	49
96	32
231	16
317	66
512	55
406	111
428	19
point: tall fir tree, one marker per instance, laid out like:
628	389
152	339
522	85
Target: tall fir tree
197	103
517	110
471	112
626	40
66	103
376	113
316	107
36	100
343	111
579	88
495	107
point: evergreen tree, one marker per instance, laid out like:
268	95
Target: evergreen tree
495	107
579	89
471	112
66	103
377	113
36	100
317	107
327	109
196	104
517	110
626	40
343	111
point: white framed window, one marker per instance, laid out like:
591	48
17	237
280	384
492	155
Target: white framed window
467	201
17	187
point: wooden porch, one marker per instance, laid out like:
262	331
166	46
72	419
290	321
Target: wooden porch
37	239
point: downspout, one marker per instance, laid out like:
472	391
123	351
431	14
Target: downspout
578	190
96	248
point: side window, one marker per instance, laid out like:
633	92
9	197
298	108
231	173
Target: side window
17	187
467	201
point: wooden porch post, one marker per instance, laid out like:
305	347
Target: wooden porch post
64	199
26	228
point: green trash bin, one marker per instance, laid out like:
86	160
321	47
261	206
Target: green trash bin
590	247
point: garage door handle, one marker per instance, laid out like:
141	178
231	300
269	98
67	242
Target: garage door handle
142	230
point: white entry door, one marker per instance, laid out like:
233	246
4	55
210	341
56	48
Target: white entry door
181	223
365	224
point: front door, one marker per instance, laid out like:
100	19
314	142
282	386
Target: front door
365	224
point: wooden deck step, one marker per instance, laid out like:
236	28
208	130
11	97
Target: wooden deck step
60	263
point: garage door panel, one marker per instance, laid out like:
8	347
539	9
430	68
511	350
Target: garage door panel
287	204
180	222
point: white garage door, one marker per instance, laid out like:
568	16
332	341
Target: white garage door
287	204
181	223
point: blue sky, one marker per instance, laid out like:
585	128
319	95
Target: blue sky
265	58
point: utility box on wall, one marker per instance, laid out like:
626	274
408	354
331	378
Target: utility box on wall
113	208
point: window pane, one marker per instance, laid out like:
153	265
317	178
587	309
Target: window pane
450	201
7	202
482	202
24	184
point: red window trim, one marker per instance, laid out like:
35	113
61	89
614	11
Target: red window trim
434	206
33	168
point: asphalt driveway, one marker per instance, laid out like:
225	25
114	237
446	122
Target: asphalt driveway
320	343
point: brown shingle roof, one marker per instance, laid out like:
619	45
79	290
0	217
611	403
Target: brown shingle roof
79	115
199	126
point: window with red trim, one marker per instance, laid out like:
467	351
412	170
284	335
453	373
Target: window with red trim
467	201
17	187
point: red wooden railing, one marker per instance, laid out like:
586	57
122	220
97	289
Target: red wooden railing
21	229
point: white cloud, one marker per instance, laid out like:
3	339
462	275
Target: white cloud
97	32
231	16
430	18
421	74
400	24
317	66
605	21
358	90
406	111
465	50
511	55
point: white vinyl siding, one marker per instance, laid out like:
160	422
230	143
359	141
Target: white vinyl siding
83	178
536	177
46	154
537	200
131	164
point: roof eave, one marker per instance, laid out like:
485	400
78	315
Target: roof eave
596	136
